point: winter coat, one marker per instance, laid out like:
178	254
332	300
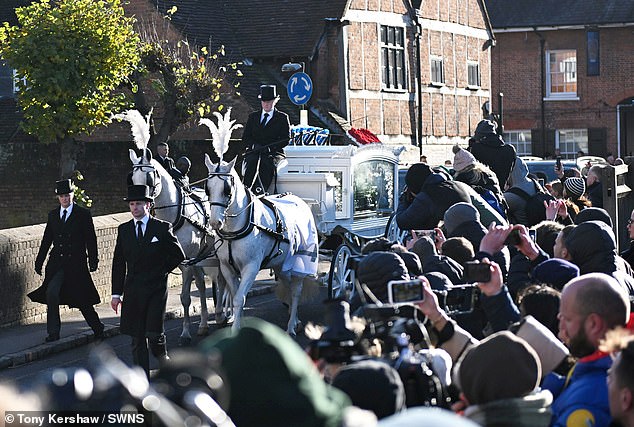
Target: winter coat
481	178
428	207
444	264
74	242
584	394
595	194
517	205
139	273
532	410
496	154
592	247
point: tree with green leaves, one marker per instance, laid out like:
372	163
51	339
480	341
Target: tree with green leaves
70	58
182	81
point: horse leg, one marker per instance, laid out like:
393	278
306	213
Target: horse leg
296	284
199	277
186	338
247	277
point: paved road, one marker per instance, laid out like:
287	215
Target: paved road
265	306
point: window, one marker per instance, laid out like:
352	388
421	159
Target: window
437	70
393	57
473	74
562	74
570	141
521	140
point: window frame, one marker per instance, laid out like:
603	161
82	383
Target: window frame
478	83
576	132
565	95
393	58
523	148
440	60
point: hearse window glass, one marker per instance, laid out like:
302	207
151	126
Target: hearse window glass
373	188
338	190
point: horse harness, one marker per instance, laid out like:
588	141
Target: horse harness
277	234
152	177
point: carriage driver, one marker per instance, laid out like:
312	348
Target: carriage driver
145	253
265	135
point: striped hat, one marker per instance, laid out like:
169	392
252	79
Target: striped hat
575	187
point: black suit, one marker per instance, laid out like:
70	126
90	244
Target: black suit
265	146
67	279
139	273
167	163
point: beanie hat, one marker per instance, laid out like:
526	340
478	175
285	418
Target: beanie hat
501	366
416	176
556	272
593	214
575	187
372	385
272	382
438	281
485	127
378	268
424	247
460	213
462	159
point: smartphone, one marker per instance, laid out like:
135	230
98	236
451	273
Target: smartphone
475	271
513	238
533	235
429	233
558	163
402	291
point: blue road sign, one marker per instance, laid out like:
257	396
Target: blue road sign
299	88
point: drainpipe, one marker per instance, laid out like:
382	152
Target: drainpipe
542	43
419	93
618	130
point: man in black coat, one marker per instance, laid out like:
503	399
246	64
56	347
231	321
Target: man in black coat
489	148
67	281
145	253
265	135
163	157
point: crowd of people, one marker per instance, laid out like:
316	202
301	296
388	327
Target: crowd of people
546	338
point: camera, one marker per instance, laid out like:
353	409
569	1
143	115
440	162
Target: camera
429	233
403	291
460	299
475	271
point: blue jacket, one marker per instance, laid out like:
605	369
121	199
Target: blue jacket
584	400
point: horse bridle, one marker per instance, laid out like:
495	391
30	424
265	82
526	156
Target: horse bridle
151	178
227	190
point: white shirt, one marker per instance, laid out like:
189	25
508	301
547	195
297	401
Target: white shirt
268	118
144	221
68	210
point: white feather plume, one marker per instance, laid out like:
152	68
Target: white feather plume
221	133
140	126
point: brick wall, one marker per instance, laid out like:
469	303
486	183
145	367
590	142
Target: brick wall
18	250
516	71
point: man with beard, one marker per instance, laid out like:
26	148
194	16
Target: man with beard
591	305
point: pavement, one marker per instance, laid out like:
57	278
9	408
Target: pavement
25	343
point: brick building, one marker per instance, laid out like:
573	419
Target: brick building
565	71
414	73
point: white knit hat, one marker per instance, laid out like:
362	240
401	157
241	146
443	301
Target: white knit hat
462	159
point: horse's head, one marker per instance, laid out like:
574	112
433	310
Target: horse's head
221	189
144	172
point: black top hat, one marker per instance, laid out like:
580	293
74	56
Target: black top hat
268	92
138	192
65	186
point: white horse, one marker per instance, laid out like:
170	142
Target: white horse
254	237
171	204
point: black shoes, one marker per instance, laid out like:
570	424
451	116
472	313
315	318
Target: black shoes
51	338
99	335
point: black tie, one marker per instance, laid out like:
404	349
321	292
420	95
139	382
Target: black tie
64	216
264	118
139	230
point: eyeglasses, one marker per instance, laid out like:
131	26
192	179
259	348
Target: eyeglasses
630	221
